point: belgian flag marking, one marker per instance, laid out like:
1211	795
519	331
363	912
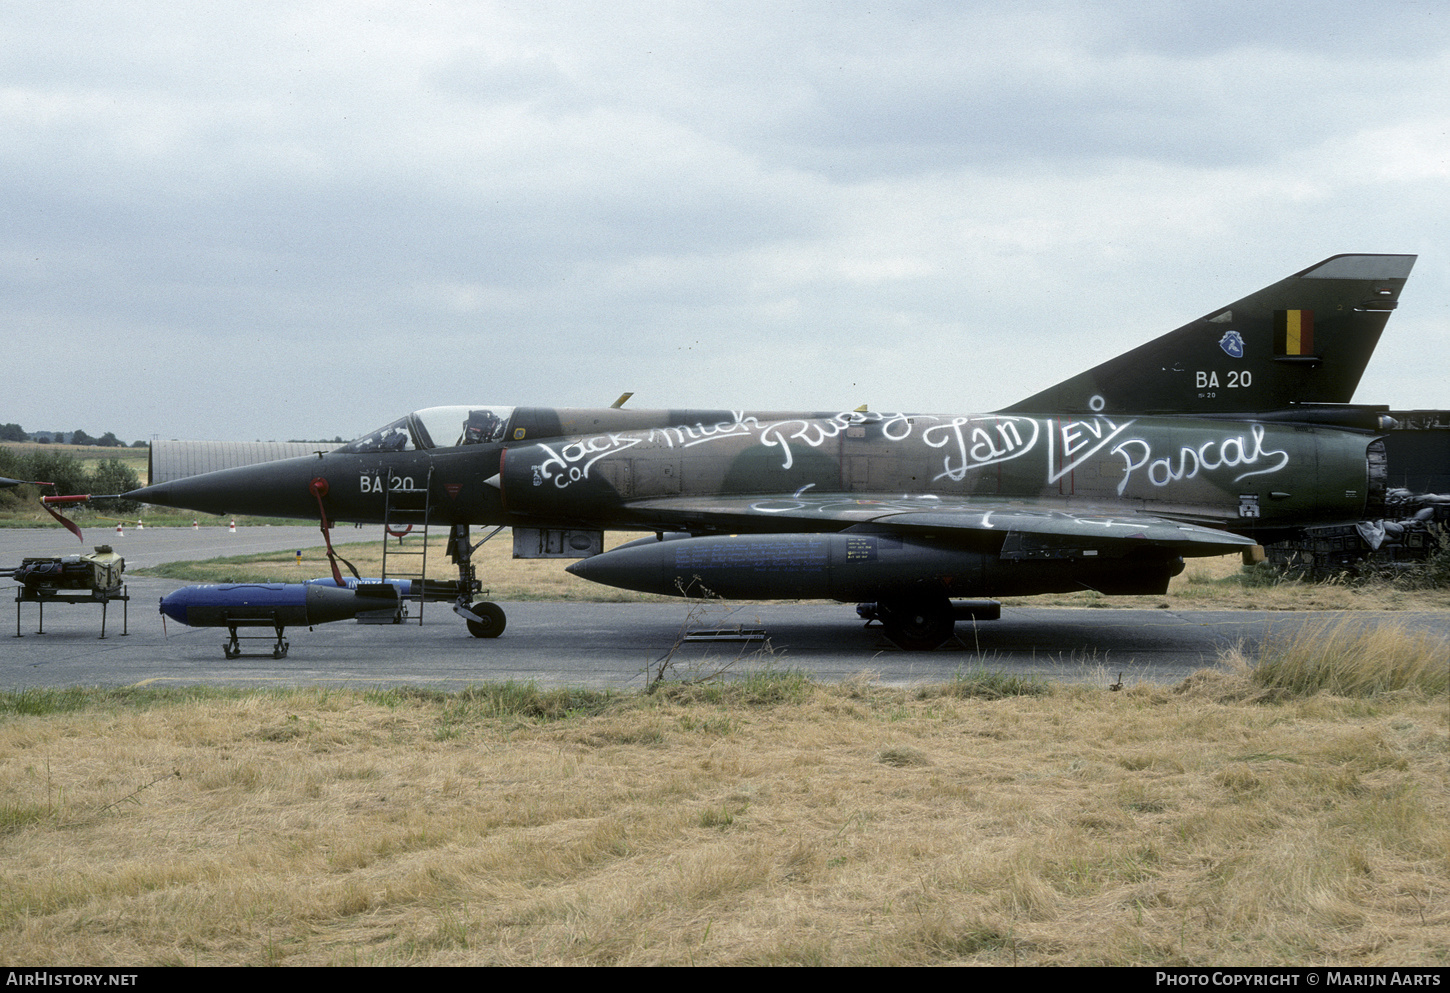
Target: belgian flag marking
1293	332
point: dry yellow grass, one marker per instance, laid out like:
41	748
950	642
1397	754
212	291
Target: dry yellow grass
776	822
1337	656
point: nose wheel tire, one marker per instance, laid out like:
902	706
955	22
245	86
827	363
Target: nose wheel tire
493	622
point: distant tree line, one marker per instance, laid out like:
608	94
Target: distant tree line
68	474
14	432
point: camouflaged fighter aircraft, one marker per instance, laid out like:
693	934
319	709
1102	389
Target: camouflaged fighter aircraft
1233	430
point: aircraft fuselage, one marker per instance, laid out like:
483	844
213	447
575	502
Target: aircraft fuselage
655	470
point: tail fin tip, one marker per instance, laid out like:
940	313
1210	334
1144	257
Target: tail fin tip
1304	339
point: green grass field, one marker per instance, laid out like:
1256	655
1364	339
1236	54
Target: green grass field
90	455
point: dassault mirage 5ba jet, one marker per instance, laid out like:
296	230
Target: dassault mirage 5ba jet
1230	432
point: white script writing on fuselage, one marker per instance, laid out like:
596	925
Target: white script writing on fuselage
1216	453
1080	440
570	463
975	442
816	431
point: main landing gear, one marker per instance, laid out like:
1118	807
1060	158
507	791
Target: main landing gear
484	618
925	623
917	625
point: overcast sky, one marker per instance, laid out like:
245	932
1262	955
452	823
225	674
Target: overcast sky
302	219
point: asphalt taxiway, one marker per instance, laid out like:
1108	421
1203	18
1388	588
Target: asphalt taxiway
593	644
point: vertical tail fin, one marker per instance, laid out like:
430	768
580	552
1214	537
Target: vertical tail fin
1305	339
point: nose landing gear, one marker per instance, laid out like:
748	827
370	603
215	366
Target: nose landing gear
491	620
484	618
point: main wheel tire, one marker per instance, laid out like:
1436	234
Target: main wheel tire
920	625
493	621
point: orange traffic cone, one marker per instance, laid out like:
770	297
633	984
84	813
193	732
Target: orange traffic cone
233	528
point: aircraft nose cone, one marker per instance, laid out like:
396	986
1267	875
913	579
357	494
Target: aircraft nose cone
160	495
268	489
204	493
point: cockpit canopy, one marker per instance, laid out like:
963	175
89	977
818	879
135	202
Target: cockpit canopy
436	427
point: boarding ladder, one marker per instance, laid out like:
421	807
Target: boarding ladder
406	516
